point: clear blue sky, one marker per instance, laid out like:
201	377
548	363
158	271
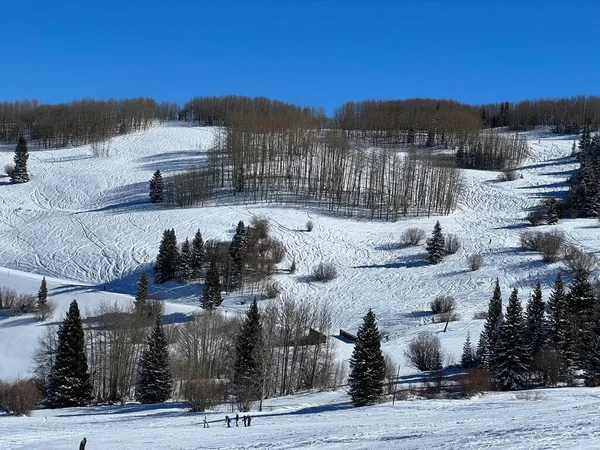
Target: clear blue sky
316	53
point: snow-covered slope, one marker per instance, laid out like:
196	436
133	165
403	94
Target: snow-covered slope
87	222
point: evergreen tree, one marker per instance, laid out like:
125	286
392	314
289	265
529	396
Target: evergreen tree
511	363
240	180
197	255
154	377
247	377
585	140
582	304
552	212
536	330
69	382
367	365
435	245
211	297
489	340
19	174
156	188
559	329
592	360
185	262
42	295
467	358
237	253
141	296
167	259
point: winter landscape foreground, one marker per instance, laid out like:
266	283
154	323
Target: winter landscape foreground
85	223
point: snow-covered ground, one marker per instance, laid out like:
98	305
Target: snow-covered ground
86	224
559	418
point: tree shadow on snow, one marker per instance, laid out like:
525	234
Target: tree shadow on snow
405	262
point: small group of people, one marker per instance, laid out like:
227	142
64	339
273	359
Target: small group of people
247	419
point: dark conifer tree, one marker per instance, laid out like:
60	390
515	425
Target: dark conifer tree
582	304
154	381
211	297
197	255
69	382
167	259
156	188
19	173
585	140
489	340
141	296
536	329
237	253
467	359
247	377
42	295
435	245
184	271
367	365
559	328
511	361
552	213
592	359
430	142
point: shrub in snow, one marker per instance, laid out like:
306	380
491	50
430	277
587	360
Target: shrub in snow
272	290
508	175
45	311
424	352
452	244
259	227
203	394
577	260
536	216
19	397
442	304
412	236
476	381
309	225
325	272
475	262
551	244
9	169
480	315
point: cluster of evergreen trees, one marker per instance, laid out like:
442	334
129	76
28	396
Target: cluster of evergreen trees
544	344
183	263
584	194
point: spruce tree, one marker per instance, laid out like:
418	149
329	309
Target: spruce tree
435	245
154	377
585	140
592	359
511	361
141	296
19	174
247	377
536	330
237	253
489	340
156	188
552	212
42	295
582	304
69	382
184	271
367	365
197	255
467	358
559	328
211	297
167	259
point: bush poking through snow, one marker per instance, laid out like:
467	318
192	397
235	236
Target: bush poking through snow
548	244
272	290
260	226
508	175
45	311
9	169
442	304
536	217
325	272
452	244
577	260
309	226
475	262
480	315
476	381
19	397
413	236
201	395
424	352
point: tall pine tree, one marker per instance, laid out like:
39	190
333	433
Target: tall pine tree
184	271
489	340
19	173
511	360
167	260
211	297
42	295
591	363
237	253
69	382
536	329
156	188
582	304
435	245
247	377
367	364
141	296
197	255
154	381
552	212
467	359
559	328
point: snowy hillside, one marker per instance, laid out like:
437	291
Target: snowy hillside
87	223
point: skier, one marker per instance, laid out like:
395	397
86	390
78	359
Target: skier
245	419
205	423
249	419
237	419
228	421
